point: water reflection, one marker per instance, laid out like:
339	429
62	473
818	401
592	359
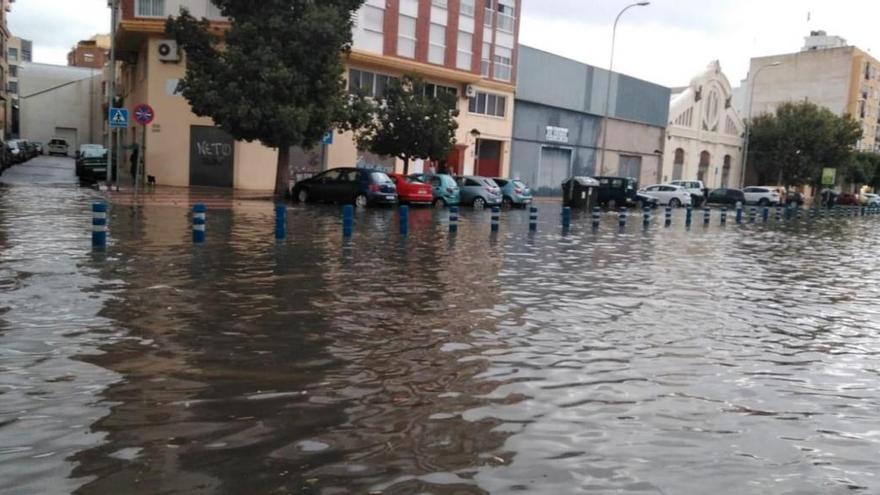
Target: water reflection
642	361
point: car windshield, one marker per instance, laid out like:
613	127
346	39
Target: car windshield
92	152
413	180
380	177
519	183
12	144
57	141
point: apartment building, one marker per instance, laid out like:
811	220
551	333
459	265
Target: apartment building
90	53
5	36
18	51
828	72
467	48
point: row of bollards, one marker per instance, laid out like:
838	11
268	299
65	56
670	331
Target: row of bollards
199	218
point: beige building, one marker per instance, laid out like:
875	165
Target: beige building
18	51
704	138
5	37
828	72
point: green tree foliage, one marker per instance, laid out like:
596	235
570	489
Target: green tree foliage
864	169
274	76
798	141
409	122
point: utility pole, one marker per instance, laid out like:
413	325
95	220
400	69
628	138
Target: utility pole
112	174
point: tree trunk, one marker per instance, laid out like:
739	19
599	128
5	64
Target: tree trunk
406	166
282	173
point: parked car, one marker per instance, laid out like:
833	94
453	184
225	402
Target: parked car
411	190
83	148
667	194
91	164
444	188
695	187
478	191
847	199
5	156
615	192
16	151
58	146
359	186
871	199
38	148
728	197
762	195
514	192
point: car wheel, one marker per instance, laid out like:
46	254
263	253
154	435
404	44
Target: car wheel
439	203
361	201
507	203
764	202
303	195
675	203
479	203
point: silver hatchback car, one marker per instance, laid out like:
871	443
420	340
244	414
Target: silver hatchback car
478	192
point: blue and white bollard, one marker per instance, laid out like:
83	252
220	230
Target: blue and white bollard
533	218
199	222
688	216
753	214
453	219
707	215
668	222
778	214
566	218
404	220
496	218
765	215
597	217
646	217
280	221
347	220
99	225
621	218
724	216
739	213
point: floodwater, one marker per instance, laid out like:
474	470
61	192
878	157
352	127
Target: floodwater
739	360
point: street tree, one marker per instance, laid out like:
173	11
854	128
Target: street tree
408	122
274	76
793	145
864	169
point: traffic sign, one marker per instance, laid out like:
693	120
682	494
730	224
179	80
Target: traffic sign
118	118
328	138
144	114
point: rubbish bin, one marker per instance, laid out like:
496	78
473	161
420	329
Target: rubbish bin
580	192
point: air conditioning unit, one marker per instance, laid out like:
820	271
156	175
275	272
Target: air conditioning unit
470	91
168	51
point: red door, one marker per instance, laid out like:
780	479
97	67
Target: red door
489	162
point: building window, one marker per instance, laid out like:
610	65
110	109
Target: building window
484	65
372	84
488	104
406	36
437	47
373	19
13	54
467	7
506	15
725	172
12	87
465	51
89	57
438	90
13	71
503	63
440	3
678	164
150	8
488	14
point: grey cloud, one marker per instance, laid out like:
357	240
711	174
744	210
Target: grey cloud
700	15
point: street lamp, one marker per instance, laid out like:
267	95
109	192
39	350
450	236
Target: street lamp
608	89
748	121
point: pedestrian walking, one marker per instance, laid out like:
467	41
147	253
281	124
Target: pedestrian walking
133	159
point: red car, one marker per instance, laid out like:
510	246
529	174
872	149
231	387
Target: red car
410	190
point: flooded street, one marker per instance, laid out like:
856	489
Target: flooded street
741	359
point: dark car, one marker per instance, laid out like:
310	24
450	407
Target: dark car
358	186
847	199
615	192
15	152
726	197
91	164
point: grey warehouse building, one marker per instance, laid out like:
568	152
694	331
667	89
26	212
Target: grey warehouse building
557	126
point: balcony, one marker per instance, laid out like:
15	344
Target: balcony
161	9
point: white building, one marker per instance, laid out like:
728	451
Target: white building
704	138
60	101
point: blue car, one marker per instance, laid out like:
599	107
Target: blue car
514	193
446	192
479	192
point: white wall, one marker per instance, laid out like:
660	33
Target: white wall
54	96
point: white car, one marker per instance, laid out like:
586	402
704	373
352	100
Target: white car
871	199
695	187
762	196
667	194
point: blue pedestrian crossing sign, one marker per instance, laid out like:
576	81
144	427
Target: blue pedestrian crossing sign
118	118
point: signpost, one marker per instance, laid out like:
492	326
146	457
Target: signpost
143	115
118	118
829	177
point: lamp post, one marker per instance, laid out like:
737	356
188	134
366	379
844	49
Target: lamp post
608	89
748	123
112	173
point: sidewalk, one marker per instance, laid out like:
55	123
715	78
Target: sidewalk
186	197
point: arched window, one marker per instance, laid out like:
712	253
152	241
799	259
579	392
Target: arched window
703	172
725	172
678	164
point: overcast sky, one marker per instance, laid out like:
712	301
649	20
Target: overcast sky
667	42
